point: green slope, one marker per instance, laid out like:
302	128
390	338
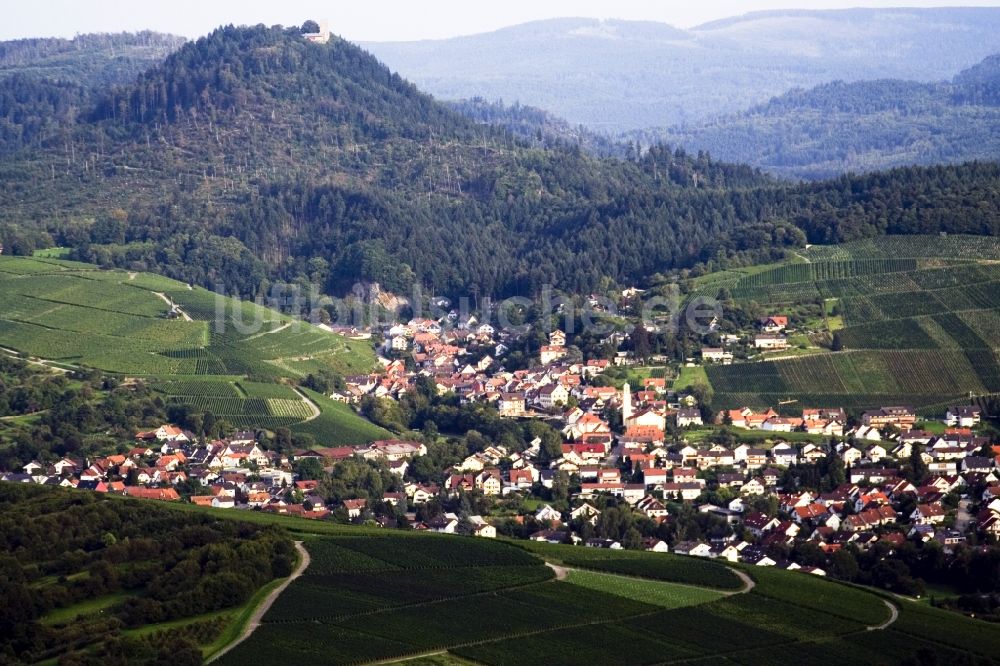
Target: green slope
388	595
85	576
918	323
76	315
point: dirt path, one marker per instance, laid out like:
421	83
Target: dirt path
312	405
166	299
893	616
262	609
13	353
21	416
561	572
748	582
270	332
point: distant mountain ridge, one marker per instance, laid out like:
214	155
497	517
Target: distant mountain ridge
622	75
861	126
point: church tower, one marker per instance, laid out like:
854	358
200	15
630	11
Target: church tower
626	402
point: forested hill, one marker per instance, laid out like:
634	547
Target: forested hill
45	83
87	60
862	126
256	150
538	127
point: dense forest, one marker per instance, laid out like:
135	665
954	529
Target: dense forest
252	152
150	563
540	128
856	126
88	60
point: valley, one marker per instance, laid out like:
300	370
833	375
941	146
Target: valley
303	361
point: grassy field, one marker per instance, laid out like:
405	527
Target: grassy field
658	593
223	355
689	376
67	614
338	423
655	566
917	319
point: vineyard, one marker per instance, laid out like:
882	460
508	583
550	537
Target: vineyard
915	246
393	596
229	358
891	264
918	320
338	424
857	379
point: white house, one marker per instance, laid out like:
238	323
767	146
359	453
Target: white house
689	416
552	395
547	513
769	341
716	355
963	416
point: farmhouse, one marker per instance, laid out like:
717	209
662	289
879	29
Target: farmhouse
770	341
774	323
688	416
716	355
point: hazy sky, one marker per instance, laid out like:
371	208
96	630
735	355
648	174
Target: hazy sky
377	20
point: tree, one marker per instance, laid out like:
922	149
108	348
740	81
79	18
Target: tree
309	468
310	27
917	469
641	345
209	423
844	566
632	539
835	471
283	439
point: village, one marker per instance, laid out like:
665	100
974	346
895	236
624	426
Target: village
649	453
682	478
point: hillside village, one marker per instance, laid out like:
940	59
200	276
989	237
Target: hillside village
682	477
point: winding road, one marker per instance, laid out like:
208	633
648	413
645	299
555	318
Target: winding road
893	616
312	405
269	600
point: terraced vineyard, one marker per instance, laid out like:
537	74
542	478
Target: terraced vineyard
921	320
225	356
390	596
